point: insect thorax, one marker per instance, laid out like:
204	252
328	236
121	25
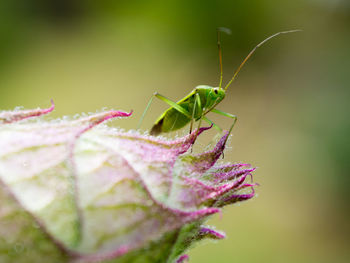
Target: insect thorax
210	96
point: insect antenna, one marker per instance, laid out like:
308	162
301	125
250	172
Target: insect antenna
251	53
227	31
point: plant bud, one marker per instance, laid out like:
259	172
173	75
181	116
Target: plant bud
76	190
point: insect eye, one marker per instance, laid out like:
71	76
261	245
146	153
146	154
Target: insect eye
216	91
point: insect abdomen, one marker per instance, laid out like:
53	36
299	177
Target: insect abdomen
156	128
171	121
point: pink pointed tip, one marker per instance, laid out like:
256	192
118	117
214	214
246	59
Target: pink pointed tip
50	109
182	258
210	233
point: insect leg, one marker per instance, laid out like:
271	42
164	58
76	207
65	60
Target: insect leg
144	112
234	117
217	136
193	111
196	107
173	104
167	101
211	122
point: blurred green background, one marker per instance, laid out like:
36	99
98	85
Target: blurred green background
292	99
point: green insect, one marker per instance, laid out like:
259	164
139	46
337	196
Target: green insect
200	101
